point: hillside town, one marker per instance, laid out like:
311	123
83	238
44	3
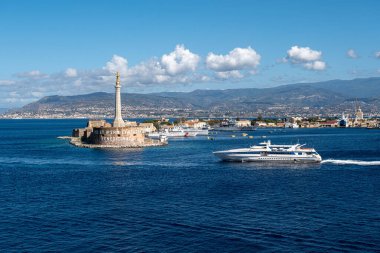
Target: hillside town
143	112
260	119
291	122
358	120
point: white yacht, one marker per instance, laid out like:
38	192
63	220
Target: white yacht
200	131
267	152
197	131
174	132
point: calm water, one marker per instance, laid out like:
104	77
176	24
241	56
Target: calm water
180	198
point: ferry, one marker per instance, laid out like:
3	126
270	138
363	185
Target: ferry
268	152
344	121
172	133
204	131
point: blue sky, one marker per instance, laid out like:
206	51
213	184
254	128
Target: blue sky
74	47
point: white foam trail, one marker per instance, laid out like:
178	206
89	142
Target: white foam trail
355	162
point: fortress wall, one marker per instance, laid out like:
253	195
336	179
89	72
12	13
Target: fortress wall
78	132
117	136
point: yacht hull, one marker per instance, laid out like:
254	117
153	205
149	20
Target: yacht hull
235	129
199	132
172	135
265	159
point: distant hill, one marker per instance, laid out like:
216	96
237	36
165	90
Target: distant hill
330	95
356	88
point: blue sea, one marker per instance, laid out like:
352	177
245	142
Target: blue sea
180	198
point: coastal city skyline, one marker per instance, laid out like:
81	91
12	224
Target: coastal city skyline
69	48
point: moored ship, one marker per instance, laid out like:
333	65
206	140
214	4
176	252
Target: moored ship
172	133
344	121
204	131
268	152
233	125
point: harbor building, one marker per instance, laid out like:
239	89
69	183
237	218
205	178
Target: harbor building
119	134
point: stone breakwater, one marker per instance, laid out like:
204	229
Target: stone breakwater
76	141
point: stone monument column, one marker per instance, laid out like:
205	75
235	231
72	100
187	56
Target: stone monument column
118	121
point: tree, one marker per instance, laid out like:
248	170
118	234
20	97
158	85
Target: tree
213	122
178	121
156	123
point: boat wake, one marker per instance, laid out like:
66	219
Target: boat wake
354	162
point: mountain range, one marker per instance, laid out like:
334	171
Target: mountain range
328	96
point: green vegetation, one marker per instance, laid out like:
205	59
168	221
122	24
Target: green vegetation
150	121
157	123
313	119
213	122
178	121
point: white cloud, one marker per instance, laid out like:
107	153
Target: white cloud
180	66
70	72
78	82
6	82
377	54
237	59
117	64
37	94
352	54
234	74
14	94
205	78
174	67
305	56
179	61
35	74
282	60
149	72
315	65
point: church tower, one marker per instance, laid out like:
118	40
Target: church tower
118	121
359	114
